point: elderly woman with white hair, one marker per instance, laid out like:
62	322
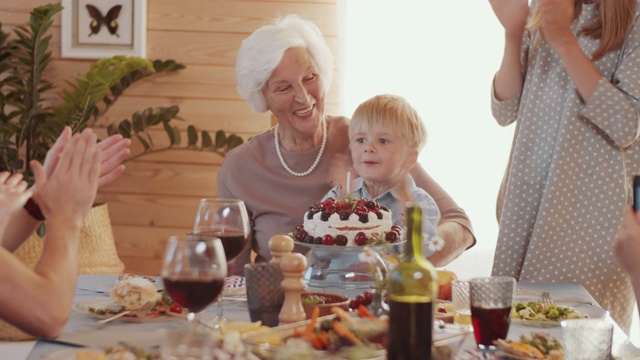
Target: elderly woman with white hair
286	67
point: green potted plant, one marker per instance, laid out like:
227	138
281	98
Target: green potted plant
30	121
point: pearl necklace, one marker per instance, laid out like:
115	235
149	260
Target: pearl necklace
315	163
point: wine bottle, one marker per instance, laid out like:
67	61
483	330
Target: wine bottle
412	290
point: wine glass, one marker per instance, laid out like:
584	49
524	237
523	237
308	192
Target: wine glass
227	220
193	272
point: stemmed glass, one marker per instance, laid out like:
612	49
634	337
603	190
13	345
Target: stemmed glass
193	273
227	220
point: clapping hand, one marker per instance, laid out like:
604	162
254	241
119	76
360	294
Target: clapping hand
114	150
67	190
512	14
556	17
13	193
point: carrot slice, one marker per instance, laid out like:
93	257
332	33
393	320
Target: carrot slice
323	337
341	314
315	342
363	312
314	318
346	333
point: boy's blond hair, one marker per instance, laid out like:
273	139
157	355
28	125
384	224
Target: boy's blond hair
393	112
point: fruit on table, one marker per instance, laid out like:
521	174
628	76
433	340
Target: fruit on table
445	278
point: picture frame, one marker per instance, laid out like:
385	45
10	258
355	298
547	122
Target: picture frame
95	29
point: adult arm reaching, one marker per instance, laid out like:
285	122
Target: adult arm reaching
454	227
65	196
627	248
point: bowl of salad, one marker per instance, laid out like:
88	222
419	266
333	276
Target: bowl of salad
323	301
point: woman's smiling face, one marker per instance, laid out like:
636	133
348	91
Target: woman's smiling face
294	92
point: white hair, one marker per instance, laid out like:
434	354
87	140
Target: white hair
262	51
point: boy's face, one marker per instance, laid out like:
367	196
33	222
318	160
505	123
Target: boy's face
380	156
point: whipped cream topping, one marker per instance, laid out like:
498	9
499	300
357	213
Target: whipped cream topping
335	226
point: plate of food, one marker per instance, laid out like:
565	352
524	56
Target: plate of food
135	299
444	311
89	353
342	335
104	308
536	314
537	346
104	284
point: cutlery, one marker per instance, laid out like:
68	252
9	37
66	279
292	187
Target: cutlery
144	309
546	299
116	316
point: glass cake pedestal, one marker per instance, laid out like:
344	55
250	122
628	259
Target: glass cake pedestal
341	267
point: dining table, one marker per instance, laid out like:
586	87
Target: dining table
82	330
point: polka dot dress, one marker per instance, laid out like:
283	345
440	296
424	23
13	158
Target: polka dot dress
568	178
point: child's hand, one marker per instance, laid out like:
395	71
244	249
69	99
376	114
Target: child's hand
13	193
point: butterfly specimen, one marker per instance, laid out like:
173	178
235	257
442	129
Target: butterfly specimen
109	20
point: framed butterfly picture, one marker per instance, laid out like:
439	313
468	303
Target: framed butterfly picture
94	29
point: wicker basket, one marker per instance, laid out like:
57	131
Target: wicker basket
97	255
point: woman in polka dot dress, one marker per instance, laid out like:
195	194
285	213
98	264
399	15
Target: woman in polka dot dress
570	79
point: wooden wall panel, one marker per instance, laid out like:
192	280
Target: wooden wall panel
159	193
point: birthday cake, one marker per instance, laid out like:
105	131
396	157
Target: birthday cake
347	222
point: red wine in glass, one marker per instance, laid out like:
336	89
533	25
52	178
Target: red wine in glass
233	241
228	220
490	324
195	294
193	272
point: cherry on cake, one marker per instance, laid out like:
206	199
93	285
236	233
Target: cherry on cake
347	222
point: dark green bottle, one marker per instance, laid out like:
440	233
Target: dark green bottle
412	289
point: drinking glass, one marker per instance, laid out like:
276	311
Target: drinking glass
193	273
460	300
227	220
587	339
490	299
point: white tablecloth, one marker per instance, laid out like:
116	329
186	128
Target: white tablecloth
81	330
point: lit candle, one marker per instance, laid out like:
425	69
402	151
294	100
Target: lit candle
348	181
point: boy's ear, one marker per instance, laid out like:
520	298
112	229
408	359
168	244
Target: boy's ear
411	159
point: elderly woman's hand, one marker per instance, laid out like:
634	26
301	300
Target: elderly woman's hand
457	239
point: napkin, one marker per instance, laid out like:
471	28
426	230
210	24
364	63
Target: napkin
234	288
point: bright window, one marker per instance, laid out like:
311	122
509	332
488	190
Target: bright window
440	56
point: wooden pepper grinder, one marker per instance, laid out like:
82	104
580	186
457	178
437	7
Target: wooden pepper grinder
280	245
293	266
